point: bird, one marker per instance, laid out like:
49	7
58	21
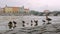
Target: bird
49	19
43	20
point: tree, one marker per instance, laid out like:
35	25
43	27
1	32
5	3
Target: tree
34	12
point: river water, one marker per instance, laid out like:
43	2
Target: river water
5	19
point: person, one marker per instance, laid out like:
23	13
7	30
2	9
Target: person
31	22
14	24
10	25
23	23
36	22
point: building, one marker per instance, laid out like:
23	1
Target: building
1	10
13	9
26	10
8	9
21	9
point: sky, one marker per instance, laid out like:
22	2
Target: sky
38	5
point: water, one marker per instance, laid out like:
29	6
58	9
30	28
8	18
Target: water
5	19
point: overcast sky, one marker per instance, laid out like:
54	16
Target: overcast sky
38	5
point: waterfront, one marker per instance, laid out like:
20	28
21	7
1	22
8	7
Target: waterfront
28	28
5	19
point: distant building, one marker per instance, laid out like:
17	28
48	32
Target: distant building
13	9
8	10
46	12
1	10
21	9
26	10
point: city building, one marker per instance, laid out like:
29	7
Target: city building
8	9
15	9
26	10
21	9
1	10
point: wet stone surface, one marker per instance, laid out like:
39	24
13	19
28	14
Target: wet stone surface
45	29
